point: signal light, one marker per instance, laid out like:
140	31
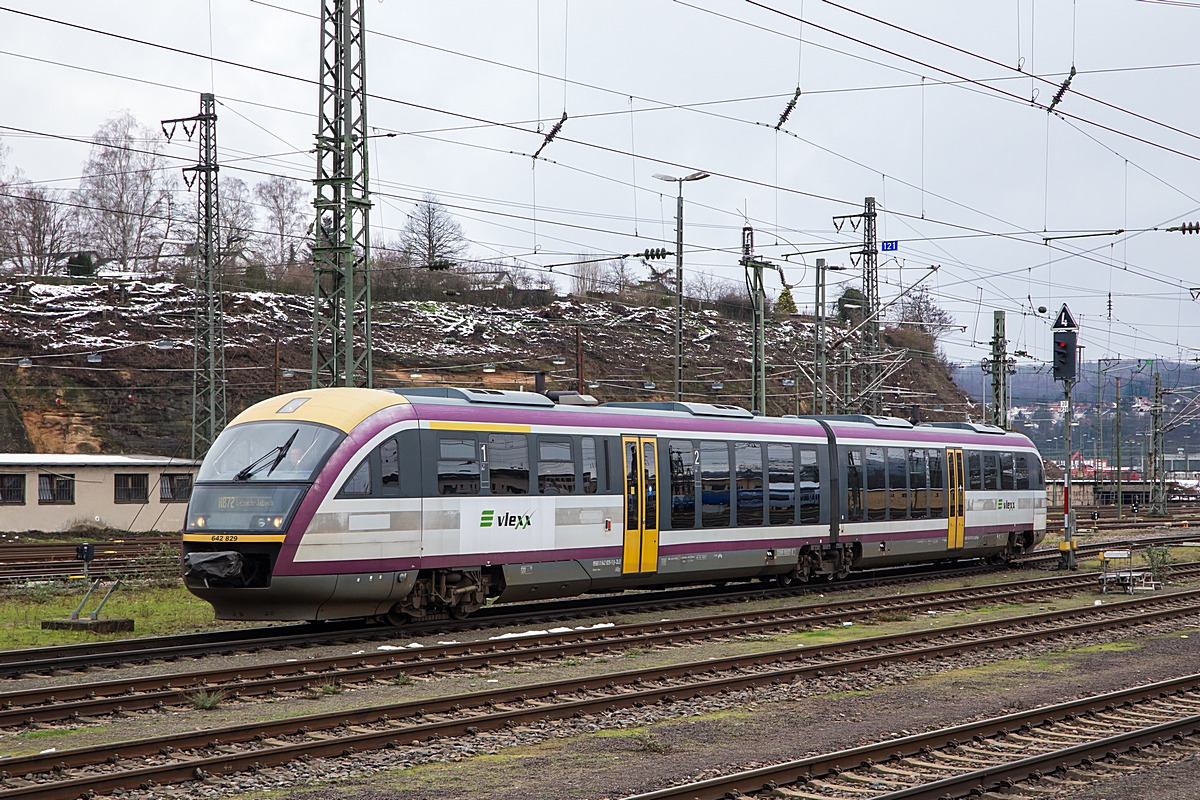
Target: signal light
1064	355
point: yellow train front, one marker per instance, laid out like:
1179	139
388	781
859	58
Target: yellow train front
426	503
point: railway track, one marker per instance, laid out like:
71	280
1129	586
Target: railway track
20	561
95	698
261	745
1042	751
115	652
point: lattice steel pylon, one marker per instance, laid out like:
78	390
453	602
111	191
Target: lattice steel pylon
341	351
871	344
208	343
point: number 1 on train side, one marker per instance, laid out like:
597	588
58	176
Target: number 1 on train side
640	458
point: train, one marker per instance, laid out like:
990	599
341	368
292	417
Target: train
430	503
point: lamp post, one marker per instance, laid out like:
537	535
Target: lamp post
695	176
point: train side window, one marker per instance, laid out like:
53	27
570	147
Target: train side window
974	471
809	490
714	481
359	482
508	463
1037	478
937	484
918	483
389	466
458	467
683	485
591	472
556	466
854	486
876	484
781	484
1021	475
650	470
749	465
991	472
1006	472
897	468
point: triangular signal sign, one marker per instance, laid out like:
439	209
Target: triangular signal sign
1065	321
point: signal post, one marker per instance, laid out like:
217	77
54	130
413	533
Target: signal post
1065	352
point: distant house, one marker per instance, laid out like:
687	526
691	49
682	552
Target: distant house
65	492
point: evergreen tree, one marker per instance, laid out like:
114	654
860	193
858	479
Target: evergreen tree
785	305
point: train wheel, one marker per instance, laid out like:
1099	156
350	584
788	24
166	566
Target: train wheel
457	612
396	618
785	580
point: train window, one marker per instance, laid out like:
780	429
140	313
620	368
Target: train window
748	462
991	472
1021	473
389	464
458	467
556	467
1037	478
810	487
714	484
359	482
591	474
508	463
974	471
650	466
918	485
781	484
631	486
876	484
897	468
683	485
1006	472
854	486
937	484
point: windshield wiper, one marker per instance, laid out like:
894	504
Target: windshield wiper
277	452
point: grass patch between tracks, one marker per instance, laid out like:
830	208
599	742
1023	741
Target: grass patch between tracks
155	610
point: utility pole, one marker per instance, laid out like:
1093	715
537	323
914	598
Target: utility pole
870	329
758	298
847	382
695	176
579	387
208	343
1158	502
277	363
998	364
341	351
1120	498
819	356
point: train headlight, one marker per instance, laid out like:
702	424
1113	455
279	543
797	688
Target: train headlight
277	522
200	522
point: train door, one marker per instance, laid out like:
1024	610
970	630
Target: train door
641	504
955	508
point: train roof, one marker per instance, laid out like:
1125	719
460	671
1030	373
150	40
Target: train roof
344	408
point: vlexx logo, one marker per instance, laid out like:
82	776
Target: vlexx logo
488	518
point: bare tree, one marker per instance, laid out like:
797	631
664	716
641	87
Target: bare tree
619	277
283	203
126	193
431	236
704	286
236	222
587	275
37	227
919	307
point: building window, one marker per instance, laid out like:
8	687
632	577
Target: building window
131	488
12	490
56	490
175	487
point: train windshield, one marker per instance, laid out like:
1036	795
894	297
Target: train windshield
268	451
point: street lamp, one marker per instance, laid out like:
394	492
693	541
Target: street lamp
695	176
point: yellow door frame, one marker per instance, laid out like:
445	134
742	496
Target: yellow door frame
641	504
956	522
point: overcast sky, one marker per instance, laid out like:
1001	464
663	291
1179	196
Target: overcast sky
968	174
